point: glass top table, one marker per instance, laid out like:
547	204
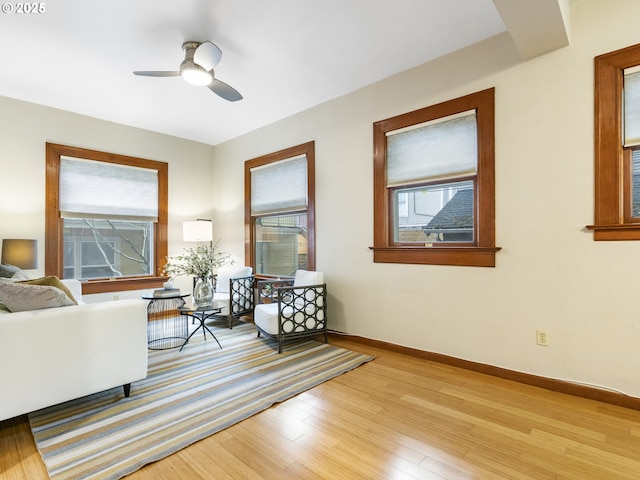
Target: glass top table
202	314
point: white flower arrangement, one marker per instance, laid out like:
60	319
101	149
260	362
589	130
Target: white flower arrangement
198	261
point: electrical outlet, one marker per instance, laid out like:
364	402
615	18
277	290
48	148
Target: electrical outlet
542	338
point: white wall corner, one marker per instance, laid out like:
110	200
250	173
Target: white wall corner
536	26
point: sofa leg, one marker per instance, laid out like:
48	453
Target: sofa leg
127	389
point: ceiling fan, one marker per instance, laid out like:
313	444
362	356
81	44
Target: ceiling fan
197	69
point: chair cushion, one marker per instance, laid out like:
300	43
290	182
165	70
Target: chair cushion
222	297
265	316
304	278
227	273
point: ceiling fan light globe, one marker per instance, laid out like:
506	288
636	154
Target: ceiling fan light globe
196	75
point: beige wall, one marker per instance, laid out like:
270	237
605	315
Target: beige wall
26	127
550	273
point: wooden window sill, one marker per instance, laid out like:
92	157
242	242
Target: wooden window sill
121	284
437	255
620	231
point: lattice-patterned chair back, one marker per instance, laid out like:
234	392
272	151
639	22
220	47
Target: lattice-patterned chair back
235	286
298	308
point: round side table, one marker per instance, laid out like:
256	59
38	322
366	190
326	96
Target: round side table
166	327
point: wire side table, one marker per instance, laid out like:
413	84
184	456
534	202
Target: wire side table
166	327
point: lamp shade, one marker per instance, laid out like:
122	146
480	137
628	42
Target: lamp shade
20	253
197	231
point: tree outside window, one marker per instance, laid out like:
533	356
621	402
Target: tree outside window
106	219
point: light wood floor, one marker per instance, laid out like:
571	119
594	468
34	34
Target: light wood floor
398	417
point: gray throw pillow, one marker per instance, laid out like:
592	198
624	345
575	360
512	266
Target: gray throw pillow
8	271
18	297
51	281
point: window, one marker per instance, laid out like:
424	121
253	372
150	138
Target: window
434	184
279	211
106	219
617	145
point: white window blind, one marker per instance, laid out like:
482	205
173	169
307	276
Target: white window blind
441	149
92	189
631	107
279	186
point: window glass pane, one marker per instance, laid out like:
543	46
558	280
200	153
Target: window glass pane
281	244
434	214
98	248
279	186
69	259
635	184
433	150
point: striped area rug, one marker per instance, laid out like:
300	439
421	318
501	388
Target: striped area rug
187	396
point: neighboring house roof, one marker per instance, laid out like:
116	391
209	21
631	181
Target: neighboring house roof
455	215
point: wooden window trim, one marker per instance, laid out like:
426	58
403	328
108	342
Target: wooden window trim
307	149
54	241
482	252
612	220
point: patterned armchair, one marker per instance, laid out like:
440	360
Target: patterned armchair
234	285
297	308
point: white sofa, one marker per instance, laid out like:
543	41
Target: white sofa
54	355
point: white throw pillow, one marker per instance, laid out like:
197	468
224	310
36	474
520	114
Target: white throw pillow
19	297
304	278
227	273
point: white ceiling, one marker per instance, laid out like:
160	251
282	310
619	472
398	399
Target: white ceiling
283	56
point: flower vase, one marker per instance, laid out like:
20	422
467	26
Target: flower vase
203	292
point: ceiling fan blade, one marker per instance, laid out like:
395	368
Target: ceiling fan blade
207	55
157	74
225	91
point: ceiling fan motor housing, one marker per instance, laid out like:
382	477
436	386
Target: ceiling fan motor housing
190	70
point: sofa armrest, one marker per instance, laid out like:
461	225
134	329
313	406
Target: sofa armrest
75	287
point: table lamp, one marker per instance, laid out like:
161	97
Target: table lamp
20	253
199	230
